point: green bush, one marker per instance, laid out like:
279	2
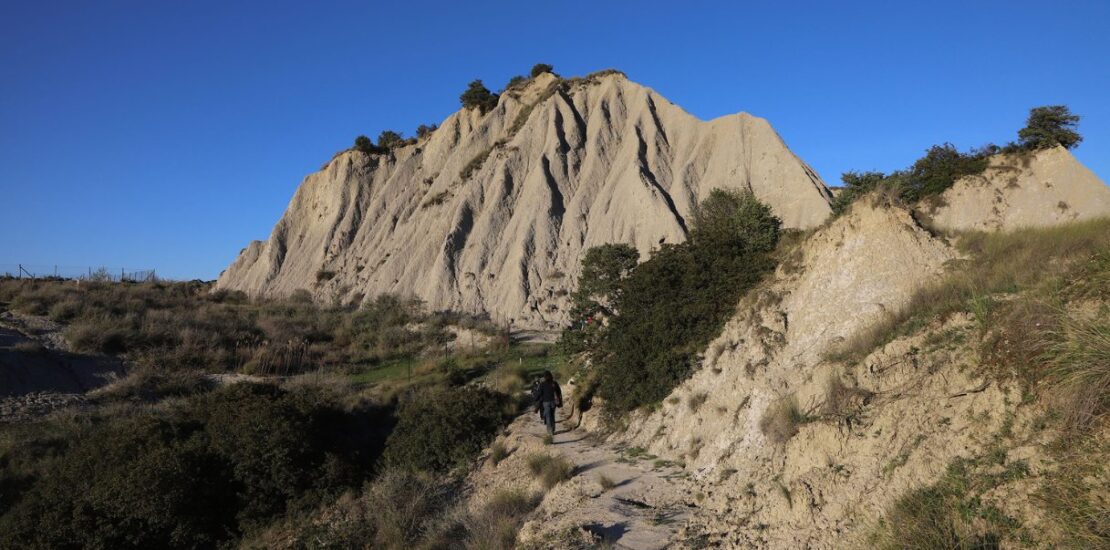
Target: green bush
1050	126
223	464
929	176
516	81
540	68
363	143
389	139
477	96
603	269
439	429
674	303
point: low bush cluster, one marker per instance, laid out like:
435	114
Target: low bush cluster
221	465
440	429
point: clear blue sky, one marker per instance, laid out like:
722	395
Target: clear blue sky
168	134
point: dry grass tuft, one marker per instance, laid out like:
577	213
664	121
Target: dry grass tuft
498	452
605	482
696	400
1078	370
551	470
781	420
496	526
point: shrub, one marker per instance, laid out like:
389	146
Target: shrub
671	305
389	139
1050	126
856	185
440	429
363	143
1078	368
425	130
605	482
551	470
938	170
842	400
477	96
224	463
516	81
401	506
781	420
540	68
603	269
498	452
495	527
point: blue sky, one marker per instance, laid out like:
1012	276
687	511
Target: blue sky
168	134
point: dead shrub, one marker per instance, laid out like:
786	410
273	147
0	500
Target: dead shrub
842	400
781	419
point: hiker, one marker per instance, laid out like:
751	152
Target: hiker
548	396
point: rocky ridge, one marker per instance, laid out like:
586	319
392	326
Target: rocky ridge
492	212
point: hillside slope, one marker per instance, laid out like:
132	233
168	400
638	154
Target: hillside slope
887	384
1040	189
493	212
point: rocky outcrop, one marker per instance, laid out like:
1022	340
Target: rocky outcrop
493	212
1035	189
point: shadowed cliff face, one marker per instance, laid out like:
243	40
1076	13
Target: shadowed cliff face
493	212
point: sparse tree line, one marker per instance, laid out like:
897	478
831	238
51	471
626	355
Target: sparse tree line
943	165
476	96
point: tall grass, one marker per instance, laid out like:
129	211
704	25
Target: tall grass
1069	260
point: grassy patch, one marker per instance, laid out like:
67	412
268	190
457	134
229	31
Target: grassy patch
949	514
474	164
551	470
1069	261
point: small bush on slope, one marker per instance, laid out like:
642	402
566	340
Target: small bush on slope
551	470
672	304
440	429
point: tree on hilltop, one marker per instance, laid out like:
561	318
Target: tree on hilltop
389	139
478	96
1050	126
540	68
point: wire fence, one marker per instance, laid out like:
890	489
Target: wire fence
82	273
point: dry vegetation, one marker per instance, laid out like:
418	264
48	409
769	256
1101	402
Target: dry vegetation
551	470
1041	302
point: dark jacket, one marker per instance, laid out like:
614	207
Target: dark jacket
548	392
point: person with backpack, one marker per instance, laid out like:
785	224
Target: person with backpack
548	396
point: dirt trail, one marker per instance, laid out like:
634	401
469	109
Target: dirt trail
644	509
38	375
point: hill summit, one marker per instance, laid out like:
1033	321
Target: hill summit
492	212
